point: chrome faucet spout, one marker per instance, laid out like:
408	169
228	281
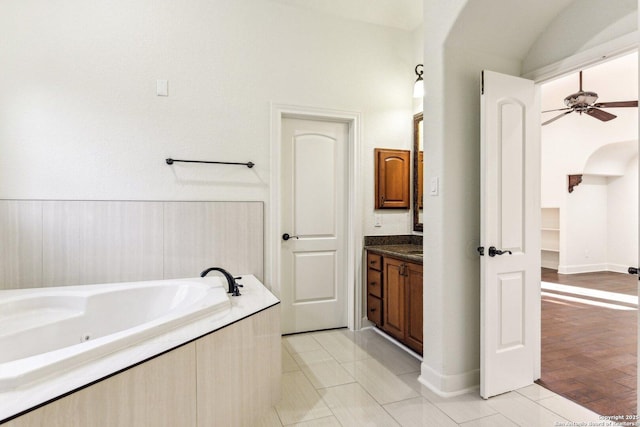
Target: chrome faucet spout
231	281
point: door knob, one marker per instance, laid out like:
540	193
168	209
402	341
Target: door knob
286	237
493	251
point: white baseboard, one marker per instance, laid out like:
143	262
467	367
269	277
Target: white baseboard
618	268
449	385
585	268
592	268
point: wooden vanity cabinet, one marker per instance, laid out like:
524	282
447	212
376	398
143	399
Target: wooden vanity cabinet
394	298
374	288
392	178
413	289
397	309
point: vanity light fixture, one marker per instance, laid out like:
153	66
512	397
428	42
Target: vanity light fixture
418	86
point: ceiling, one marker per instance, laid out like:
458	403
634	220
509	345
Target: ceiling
482	24
401	14
613	80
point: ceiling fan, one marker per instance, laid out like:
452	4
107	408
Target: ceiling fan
585	102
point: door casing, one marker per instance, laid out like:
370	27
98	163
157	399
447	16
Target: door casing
354	202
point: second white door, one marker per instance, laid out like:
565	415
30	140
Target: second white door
510	234
313	224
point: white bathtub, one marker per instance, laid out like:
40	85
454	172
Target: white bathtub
52	330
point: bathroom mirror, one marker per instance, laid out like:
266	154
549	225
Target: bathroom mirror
418	149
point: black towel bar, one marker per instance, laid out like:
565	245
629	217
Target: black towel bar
170	161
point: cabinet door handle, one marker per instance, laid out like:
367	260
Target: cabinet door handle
372	310
373	283
382	200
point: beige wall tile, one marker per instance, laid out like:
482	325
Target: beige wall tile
242	359
21	247
56	243
87	242
143	396
199	235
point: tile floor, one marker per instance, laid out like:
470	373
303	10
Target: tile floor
344	378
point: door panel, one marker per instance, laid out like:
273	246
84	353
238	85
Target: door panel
414	289
510	206
511	309
314	185
394	298
315	276
313	211
511	170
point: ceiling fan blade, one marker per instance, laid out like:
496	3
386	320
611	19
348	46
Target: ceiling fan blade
557	109
616	104
557	117
600	114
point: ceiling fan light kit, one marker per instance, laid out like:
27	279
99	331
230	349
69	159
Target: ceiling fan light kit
580	98
585	102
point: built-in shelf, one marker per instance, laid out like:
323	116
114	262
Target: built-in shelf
550	237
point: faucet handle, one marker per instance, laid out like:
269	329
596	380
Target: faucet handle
236	290
236	287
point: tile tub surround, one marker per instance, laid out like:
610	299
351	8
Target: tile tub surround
76	242
254	299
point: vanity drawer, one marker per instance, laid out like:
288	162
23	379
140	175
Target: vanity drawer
374	261
374	310
374	283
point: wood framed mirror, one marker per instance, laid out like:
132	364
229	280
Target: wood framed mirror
418	167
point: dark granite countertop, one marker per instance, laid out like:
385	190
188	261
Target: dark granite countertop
408	247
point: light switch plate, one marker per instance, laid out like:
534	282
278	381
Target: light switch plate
434	187
162	88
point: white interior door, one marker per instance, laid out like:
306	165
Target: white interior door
510	216
313	214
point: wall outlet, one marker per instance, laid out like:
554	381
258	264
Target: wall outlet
377	220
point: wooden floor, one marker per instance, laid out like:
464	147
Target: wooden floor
589	353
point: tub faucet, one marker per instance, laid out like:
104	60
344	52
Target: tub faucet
233	285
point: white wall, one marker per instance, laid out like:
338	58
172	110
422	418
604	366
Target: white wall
622	219
584	224
81	120
455	54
